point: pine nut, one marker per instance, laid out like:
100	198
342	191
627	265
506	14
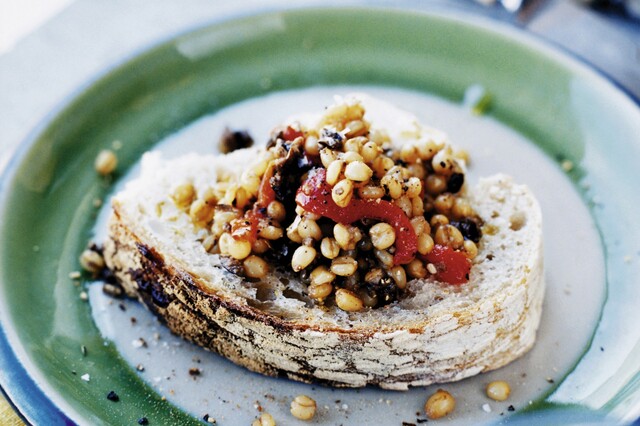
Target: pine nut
385	258
348	300
443	163
416	269
470	249
200	211
327	156
308	228
344	266
329	248
322	275
350	157
438	220
320	291
371	192
183	195
358	171
255	267
342	192
106	162
425	243
435	184
498	390
333	172
370	151
302	257
399	276
439	404
239	249
414	187
443	203
265	419
271	232
355	144
449	235
303	407
250	181
276	211
382	235
91	261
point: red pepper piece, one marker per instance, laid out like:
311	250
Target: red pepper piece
315	196
453	266
290	134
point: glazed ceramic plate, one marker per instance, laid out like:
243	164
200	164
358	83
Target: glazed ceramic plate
59	361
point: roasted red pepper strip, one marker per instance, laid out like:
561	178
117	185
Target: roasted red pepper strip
453	266
266	194
315	196
246	228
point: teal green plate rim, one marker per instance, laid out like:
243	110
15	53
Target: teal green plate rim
25	382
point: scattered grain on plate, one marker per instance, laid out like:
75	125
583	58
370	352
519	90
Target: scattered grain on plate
36	248
498	390
86	377
113	396
567	165
303	407
83	350
84	296
439	404
265	419
511	408
140	367
106	162
143	421
97	203
91	261
75	275
628	259
139	343
194	372
550	380
486	408
116	145
112	290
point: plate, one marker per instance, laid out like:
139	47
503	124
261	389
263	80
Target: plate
575	116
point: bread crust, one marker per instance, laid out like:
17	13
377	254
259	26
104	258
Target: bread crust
443	347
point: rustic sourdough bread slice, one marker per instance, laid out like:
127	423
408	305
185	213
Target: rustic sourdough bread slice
436	333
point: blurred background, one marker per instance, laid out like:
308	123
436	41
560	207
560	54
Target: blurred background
51	49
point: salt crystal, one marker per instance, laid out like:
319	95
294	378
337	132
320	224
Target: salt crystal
85	377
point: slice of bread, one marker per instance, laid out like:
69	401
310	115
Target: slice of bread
435	333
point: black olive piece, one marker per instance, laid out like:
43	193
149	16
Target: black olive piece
234	139
455	182
330	139
469	229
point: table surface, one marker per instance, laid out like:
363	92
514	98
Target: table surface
119	28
